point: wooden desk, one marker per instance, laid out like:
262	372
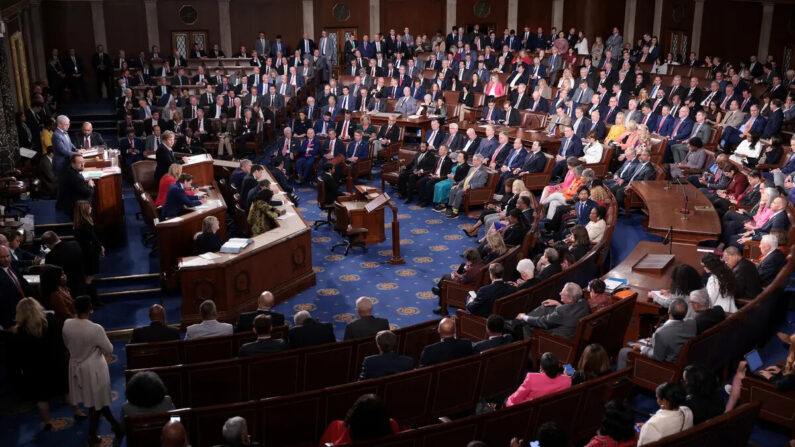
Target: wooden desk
201	168
664	209
175	235
279	260
358	216
549	144
644	282
107	201
422	122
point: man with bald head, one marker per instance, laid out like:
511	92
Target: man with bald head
448	348
265	302
174	435
157	329
367	325
88	138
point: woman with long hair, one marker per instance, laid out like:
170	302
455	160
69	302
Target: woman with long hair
40	358
618	427
174	171
673	416
721	285
90	245
684	279
594	363
367	419
55	293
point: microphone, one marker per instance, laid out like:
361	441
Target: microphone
669	239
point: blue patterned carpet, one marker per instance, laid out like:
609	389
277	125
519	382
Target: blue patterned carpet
431	246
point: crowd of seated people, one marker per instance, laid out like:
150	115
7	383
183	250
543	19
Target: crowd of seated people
616	102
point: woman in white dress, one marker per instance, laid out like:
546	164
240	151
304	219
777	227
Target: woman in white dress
721	284
582	44
749	150
89	377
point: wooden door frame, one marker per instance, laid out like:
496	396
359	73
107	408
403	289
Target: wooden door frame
190	34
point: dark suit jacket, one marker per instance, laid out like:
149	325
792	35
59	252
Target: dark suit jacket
164	157
494	342
176	198
778	221
559	320
71	188
534	162
156	331
245	321
445	350
386	364
11	296
262	346
747	277
485	297
69	256
311	333
365	327
392	135
770	266
708	318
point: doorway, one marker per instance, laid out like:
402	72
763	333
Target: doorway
338	37
183	41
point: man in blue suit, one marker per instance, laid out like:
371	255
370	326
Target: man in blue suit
683	126
752	122
495	326
538	103
774	120
649	119
357	150
177	198
435	136
131	148
305	157
570	146
484	299
387	361
62	145
778	221
780	174
514	160
491	113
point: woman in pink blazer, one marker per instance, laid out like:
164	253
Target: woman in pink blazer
550	380
494	87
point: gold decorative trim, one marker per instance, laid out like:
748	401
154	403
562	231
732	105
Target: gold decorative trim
20	65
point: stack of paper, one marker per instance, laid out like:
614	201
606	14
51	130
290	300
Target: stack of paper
613	284
235	245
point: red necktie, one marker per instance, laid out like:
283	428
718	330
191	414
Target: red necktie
673	134
131	144
87	144
345	129
662	120
286	145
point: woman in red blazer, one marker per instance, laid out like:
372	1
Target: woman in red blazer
550	380
174	171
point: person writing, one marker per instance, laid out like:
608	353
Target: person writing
177	197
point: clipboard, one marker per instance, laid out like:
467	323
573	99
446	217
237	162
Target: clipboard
376	203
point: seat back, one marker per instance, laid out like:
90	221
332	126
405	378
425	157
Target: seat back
732	429
538	180
241	218
450	97
143	172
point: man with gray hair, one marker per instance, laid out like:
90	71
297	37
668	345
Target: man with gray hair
209	326
557	317
527	274
309	332
476	178
772	259
235	432
387	361
705	316
367	325
745	273
62	145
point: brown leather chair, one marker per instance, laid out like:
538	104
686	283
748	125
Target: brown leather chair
390	171
480	196
538	180
143	172
12	189
321	203
354	236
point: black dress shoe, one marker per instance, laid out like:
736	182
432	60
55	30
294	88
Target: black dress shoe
438	311
435	290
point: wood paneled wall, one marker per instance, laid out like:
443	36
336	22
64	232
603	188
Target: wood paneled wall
168	20
498	14
249	17
399	14
359	16
125	27
720	36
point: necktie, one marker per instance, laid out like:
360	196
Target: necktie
286	146
673	134
308	148
565	146
432	138
132	146
662	120
469	177
284	89
272	100
157	141
344	129
87	144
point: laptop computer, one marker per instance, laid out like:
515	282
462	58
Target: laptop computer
754	361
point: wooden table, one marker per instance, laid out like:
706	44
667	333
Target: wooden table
175	236
107	202
664	209
644	282
279	260
201	168
549	144
354	205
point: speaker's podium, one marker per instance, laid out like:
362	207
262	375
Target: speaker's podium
364	208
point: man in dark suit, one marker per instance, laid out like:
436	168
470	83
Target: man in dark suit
265	302
157	329
484	299
441	169
745	273
131	148
495	336
367	324
421	165
387	361
570	146
177	197
557	317
73	68
309	332
667	341
72	186
164	155
264	343
772	259
448	348
13	287
705	316
88	138
69	256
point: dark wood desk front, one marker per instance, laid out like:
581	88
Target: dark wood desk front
201	168
644	282
279	260
107	202
665	211
175	236
357	215
421	122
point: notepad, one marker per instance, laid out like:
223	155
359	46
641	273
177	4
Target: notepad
209	256
235	245
613	284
